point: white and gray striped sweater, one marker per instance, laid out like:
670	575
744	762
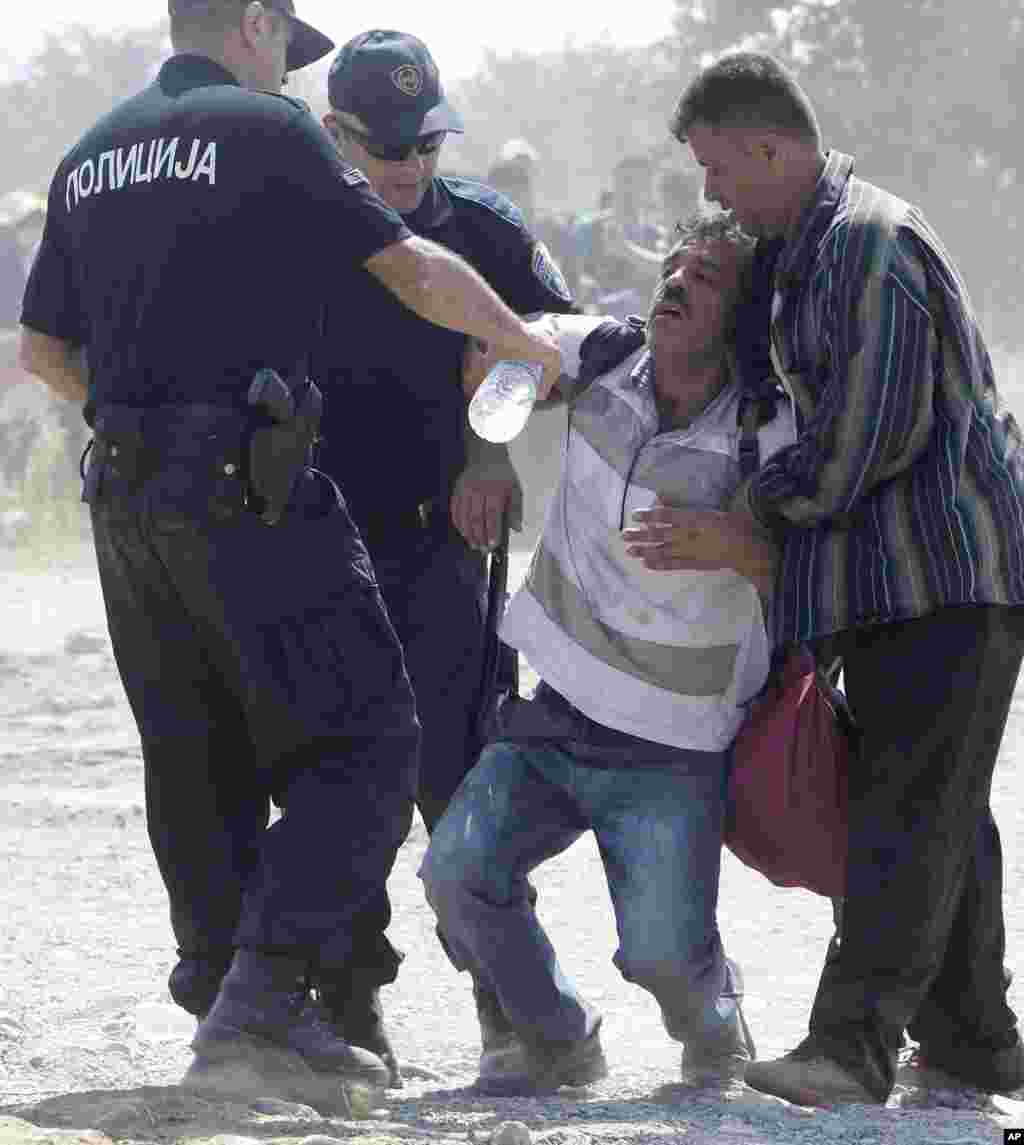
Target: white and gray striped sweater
666	656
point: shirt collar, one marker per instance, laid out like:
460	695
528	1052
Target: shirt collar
434	210
798	254
186	70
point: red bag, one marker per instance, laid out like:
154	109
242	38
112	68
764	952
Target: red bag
787	794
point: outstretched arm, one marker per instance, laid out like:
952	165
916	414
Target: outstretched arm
480	356
442	288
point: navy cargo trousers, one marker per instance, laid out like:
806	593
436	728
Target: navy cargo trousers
260	665
435	589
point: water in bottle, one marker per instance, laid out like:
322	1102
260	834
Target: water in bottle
504	399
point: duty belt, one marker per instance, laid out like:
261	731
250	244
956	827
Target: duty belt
132	443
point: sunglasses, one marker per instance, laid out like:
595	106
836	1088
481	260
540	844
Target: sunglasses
395	152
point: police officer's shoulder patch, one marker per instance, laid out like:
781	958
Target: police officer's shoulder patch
549	273
353	177
476	192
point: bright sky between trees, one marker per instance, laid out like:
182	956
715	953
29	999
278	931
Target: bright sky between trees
457	32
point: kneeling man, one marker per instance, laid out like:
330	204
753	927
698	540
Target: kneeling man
645	662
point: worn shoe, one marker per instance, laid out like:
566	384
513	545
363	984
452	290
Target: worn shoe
988	1070
720	1063
805	1076
356	1014
261	1038
519	1069
496	1031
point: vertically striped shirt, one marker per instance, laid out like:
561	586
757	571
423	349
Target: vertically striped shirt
666	656
905	490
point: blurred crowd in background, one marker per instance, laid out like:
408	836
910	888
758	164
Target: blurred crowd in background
925	93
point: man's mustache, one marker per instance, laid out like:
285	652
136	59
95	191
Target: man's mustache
673	296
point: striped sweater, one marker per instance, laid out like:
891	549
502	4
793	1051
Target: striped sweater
666	656
905	491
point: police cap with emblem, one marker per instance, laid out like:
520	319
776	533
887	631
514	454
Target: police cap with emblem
307	44
390	81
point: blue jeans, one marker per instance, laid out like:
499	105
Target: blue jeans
659	833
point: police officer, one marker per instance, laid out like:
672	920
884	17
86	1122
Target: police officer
422	469
191	238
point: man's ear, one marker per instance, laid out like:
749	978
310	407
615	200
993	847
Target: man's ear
766	148
256	22
249	26
759	145
332	125
777	151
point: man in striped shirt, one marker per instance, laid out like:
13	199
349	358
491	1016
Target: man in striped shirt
900	513
644	673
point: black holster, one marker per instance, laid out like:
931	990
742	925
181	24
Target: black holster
281	448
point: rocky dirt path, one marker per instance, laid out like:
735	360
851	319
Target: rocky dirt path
91	1048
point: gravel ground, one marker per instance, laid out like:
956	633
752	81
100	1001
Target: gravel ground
91	1048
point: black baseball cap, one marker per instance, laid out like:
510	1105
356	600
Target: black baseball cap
307	46
390	81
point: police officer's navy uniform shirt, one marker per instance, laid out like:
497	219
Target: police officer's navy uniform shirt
395	410
193	235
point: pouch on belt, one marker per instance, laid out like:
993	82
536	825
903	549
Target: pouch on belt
119	459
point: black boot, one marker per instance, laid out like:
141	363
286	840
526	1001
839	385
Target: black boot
261	1034
195	981
357	1015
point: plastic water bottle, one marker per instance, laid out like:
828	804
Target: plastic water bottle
502	403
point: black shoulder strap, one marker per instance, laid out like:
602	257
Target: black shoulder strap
607	346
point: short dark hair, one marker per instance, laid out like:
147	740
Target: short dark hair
746	89
202	21
205	21
710	224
